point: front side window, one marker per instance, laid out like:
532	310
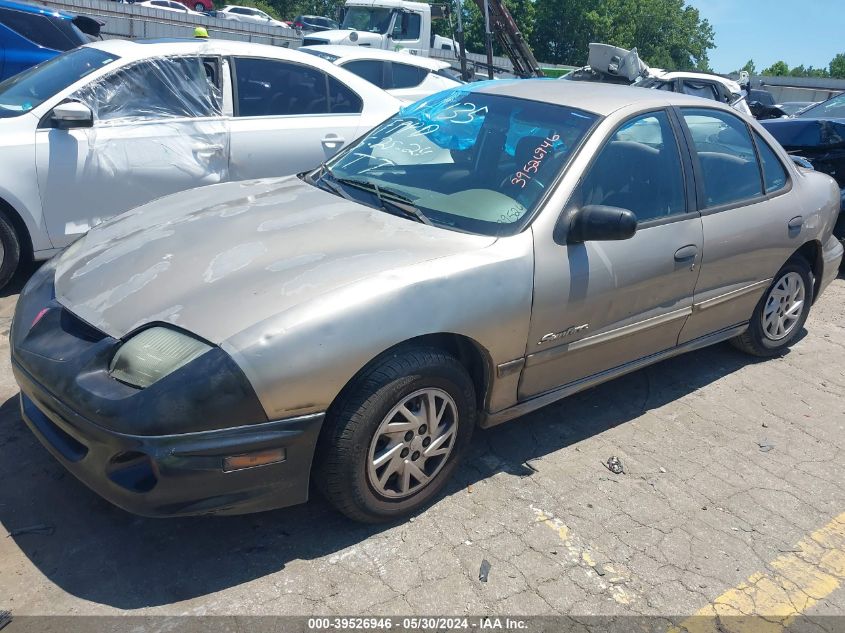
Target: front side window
638	169
407	76
29	89
726	155
774	175
171	87
407	26
475	162
268	87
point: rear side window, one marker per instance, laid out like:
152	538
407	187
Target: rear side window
774	175
369	69
407	76
267	87
38	29
726	155
639	169
342	100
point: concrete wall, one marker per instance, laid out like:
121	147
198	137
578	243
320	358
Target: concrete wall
130	21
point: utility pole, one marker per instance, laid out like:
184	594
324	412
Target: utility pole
488	39
463	52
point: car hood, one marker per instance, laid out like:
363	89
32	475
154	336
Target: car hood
219	259
807	133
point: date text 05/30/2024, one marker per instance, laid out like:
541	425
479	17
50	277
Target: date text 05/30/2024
421	623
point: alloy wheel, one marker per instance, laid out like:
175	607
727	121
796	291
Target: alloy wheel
784	306
412	443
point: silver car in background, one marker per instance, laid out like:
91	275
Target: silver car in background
483	253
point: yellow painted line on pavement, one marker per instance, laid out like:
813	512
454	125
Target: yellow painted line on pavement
795	582
579	553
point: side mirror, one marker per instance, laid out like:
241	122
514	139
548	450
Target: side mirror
598	223
70	115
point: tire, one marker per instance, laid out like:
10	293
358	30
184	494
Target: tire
10	256
760	340
355	434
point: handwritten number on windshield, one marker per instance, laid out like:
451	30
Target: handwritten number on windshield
522	177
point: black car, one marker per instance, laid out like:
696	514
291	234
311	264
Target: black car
314	23
817	134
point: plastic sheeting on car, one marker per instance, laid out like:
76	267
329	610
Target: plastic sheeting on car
156	117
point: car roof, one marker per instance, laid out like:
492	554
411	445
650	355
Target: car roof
345	53
598	98
142	49
31	8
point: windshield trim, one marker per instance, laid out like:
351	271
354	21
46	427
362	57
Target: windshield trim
515	228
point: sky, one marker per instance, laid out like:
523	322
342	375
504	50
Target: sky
808	32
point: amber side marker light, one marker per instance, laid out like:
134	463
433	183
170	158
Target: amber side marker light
251	460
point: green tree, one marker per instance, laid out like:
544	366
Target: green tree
837	66
778	69
667	33
749	67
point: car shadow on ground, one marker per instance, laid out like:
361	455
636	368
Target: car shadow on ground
103	554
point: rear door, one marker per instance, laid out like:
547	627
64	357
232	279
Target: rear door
158	129
288	117
752	220
603	304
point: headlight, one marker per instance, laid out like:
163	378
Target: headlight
153	354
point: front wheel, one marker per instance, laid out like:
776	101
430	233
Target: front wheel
10	250
396	436
781	313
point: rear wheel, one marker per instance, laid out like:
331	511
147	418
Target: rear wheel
10	250
391	443
781	313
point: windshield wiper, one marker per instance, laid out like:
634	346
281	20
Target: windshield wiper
388	197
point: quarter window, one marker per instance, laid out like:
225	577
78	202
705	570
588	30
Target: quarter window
639	169
703	89
774	175
726	155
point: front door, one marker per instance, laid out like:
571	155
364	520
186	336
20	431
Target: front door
288	118
600	305
158	129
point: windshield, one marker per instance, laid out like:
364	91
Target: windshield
832	109
29	89
474	162
374	20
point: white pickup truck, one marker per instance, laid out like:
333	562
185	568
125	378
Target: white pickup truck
386	24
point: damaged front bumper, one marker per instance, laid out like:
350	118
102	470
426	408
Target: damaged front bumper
167	450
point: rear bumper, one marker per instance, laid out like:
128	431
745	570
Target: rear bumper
174	475
831	259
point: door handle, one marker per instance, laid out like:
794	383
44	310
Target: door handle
686	253
332	140
796	223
